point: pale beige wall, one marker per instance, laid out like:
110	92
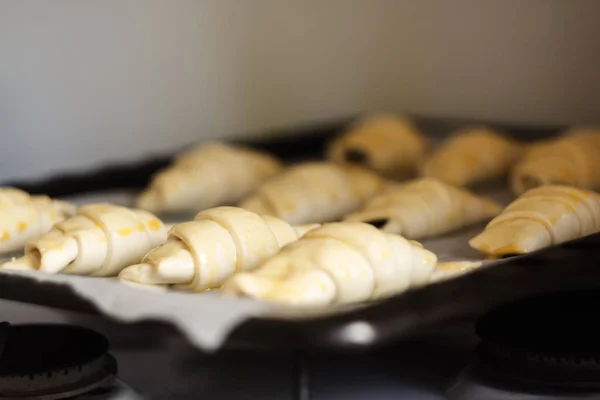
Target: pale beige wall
84	81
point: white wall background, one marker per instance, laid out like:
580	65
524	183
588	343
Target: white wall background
82	82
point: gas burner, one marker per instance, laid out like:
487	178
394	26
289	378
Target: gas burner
51	362
545	347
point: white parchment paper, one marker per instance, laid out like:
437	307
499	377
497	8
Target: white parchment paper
207	318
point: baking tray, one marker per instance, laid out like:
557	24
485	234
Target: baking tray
416	313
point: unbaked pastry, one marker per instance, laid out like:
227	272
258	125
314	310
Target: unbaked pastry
203	253
424	208
573	160
314	192
539	218
100	240
210	175
24	217
338	263
473	155
389	145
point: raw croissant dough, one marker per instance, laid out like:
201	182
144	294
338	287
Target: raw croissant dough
24	217
100	240
203	253
425	207
386	144
473	155
338	263
211	174
540	218
573	160
314	192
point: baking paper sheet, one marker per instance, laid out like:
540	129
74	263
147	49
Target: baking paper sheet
207	318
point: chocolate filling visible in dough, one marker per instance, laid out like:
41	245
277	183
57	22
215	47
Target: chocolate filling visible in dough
531	182
378	223
354	155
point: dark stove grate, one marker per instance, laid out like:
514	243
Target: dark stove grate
52	362
545	346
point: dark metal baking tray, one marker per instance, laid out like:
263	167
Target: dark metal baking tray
416	313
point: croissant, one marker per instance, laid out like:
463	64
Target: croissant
100	240
387	144
314	192
474	155
338	263
572	160
211	174
24	217
203	253
425	207
539	218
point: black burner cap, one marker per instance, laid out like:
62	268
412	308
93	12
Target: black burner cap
42	348
553	338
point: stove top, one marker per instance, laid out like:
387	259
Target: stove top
539	348
545	347
52	362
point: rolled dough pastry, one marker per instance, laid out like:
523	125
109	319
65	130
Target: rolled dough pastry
572	160
472	155
24	217
314	192
424	208
203	253
389	145
539	218
100	240
211	174
338	263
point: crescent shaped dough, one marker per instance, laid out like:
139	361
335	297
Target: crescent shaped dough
539	218
203	253
314	192
211	174
338	263
387	144
100	240
473	155
425	207
572	160
24	217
